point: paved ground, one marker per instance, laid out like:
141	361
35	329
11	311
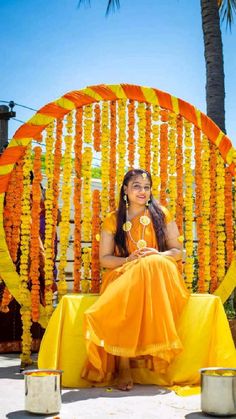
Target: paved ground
143	402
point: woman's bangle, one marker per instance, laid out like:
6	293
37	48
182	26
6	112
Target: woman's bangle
127	259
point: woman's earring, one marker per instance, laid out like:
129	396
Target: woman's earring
147	203
126	200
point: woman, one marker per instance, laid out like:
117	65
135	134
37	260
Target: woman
142	293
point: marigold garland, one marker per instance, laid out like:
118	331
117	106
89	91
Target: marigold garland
131	133
9	210
12	221
86	259
121	146
34	272
189	261
88	124
141	124
56	182
179	174
112	166
65	212
163	156
95	266
17	210
25	310
206	209
155	151
87	193
105	149
211	222
97	128
77	199
229	217
172	164
199	210
48	247
148	132
220	217
6	299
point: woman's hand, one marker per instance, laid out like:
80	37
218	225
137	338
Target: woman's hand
134	255
147	251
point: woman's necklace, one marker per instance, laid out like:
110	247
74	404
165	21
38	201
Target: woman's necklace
144	220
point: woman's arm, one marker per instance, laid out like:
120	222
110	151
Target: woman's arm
174	247
106	252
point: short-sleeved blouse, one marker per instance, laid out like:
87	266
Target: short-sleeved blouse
137	231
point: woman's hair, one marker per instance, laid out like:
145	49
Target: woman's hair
156	213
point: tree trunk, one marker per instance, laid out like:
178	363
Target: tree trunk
213	51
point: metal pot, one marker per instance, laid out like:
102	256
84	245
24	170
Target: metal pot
42	391
218	397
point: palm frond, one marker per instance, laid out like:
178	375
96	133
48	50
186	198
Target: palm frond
85	2
227	10
112	6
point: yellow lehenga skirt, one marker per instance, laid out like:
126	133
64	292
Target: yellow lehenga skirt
136	315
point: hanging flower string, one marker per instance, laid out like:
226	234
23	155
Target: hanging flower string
189	269
131	134
95	266
56	185
229	217
8	218
199	211
97	128
155	151
220	217
210	222
206	209
77	199
88	124
141	134
121	146
87	193
6	299
12	221
35	236
48	247
164	156
25	309
179	174
86	259
172	164
105	170
148	132
112	167
65	212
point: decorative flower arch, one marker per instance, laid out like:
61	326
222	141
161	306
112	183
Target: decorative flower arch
150	105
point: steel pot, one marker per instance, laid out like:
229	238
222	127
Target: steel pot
42	391
218	391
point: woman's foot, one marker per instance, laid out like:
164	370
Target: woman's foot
125	381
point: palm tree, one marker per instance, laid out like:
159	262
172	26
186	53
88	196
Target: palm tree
213	51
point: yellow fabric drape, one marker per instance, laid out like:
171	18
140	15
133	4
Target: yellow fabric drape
203	329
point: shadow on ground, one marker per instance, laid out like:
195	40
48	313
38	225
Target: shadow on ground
72	396
11	372
22	414
199	415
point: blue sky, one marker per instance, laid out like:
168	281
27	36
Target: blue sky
50	47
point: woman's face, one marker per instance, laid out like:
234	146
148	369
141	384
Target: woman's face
138	190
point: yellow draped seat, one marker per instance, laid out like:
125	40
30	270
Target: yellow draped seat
203	329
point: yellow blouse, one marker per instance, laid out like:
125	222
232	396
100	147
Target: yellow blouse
137	232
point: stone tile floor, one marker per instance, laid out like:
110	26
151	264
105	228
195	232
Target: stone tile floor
143	402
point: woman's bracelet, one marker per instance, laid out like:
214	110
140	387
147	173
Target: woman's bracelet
127	259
